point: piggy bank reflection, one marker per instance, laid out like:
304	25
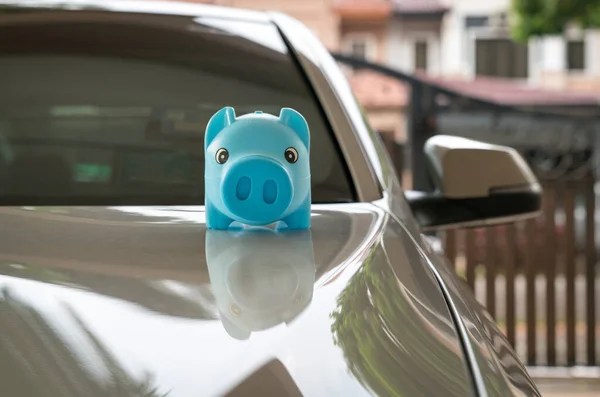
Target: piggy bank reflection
260	278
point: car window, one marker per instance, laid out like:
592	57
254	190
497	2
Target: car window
112	110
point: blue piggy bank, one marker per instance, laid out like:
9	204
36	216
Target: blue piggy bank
257	169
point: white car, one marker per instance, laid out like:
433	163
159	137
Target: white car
110	283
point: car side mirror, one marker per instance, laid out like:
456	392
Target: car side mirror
477	184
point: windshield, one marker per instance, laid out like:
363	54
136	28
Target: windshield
100	109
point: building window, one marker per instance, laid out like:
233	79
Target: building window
501	58
421	55
476	22
362	46
576	55
359	49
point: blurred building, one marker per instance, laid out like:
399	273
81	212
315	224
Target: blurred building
465	38
463	44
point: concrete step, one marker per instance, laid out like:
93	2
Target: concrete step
567	382
569	388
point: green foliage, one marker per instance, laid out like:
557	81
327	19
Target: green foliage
548	17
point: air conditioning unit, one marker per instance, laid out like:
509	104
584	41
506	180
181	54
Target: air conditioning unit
499	20
574	32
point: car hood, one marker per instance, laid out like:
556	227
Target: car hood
129	301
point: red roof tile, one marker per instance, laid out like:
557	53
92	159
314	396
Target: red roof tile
363	8
509	92
419	6
374	90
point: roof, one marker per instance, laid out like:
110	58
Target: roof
514	93
363	9
374	90
419	6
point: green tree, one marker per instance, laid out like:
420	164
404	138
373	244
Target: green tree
548	17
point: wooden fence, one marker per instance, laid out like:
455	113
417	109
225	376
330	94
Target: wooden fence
537	278
547	273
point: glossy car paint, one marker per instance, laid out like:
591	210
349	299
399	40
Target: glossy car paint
117	301
130	295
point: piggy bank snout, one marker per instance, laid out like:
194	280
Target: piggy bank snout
257	189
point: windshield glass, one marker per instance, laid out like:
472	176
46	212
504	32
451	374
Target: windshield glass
100	109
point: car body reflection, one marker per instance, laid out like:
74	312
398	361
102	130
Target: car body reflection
34	342
377	313
260	278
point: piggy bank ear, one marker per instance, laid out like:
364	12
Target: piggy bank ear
296	122
217	122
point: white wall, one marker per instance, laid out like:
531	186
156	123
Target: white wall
546	55
401	42
456	51
593	52
553	54
396	51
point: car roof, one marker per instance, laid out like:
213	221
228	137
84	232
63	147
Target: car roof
173	8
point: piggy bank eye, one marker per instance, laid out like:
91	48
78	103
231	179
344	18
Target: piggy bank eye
222	156
291	155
